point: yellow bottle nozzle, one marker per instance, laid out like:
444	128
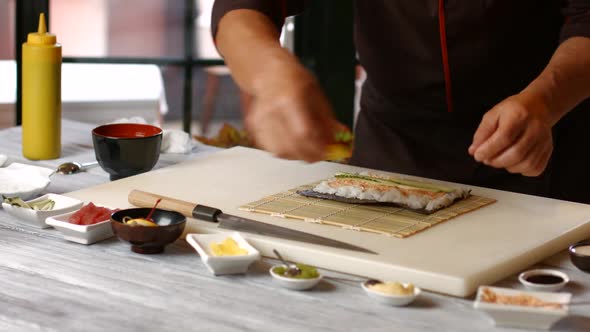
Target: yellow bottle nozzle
41	37
42	25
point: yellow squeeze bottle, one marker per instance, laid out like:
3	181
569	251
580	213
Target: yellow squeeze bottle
41	95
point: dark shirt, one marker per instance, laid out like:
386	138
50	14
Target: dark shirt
435	67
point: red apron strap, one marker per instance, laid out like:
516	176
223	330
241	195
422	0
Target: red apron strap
445	53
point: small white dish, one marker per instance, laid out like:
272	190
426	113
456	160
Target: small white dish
219	265
24	181
525	279
84	234
523	316
390	299
63	204
294	283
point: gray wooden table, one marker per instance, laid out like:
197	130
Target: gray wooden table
49	284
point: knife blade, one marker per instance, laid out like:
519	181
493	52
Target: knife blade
226	221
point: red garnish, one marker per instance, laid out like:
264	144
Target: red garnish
149	216
90	214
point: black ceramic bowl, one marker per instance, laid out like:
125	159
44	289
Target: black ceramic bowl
148	240
126	149
580	260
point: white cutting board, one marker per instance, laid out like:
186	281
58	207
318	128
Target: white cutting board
453	257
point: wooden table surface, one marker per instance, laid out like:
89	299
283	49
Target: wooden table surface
50	284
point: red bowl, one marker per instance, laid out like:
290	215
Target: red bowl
126	149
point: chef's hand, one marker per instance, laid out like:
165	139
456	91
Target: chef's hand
515	135
290	116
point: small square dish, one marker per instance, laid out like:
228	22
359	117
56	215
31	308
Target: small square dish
63	204
84	234
220	265
523	309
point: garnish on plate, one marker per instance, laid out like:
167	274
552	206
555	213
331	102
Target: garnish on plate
42	205
490	296
90	214
306	272
229	247
390	287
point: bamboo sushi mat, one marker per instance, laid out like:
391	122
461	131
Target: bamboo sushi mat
386	220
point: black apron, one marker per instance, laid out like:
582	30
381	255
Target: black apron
434	145
485	51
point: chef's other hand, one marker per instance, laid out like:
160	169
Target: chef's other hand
290	116
515	135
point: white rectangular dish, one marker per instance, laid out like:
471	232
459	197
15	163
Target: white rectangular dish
219	265
523	316
63	204
84	234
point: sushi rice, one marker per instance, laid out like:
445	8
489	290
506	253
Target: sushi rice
386	189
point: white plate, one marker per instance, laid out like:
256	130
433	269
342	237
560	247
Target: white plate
219	265
294	283
63	204
24	181
524	316
390	299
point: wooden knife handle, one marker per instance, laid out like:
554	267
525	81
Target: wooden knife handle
145	199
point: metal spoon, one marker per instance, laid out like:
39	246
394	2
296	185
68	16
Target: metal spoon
74	167
292	269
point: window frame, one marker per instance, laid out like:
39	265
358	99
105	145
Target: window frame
27	14
327	17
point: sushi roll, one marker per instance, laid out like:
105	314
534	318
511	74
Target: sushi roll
368	188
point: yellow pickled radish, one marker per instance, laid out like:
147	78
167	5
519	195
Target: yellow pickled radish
228	247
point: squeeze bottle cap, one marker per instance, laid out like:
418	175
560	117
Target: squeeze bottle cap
41	37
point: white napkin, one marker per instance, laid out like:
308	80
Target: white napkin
176	141
24	181
173	140
3	159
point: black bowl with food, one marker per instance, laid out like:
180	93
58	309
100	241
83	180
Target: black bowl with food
148	234
126	149
580	255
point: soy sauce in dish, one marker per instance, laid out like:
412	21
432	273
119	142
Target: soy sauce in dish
545	279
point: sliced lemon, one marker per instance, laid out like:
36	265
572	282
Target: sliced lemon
140	222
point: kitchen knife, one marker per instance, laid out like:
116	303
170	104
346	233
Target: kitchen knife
144	199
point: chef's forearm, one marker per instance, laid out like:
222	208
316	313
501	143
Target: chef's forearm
249	43
565	82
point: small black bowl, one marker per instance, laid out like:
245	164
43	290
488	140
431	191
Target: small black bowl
581	261
148	240
126	149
